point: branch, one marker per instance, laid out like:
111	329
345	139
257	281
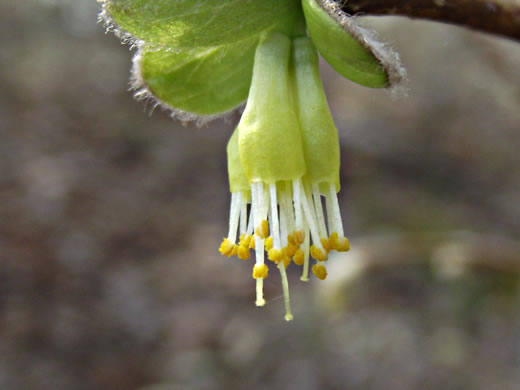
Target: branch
500	17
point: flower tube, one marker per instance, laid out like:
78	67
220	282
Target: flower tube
271	152
282	158
240	198
321	151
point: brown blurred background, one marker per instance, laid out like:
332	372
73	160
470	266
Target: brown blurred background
110	220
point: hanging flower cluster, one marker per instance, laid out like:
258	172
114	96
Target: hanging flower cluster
282	159
202	58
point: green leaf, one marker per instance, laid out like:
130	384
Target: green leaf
203	82
194	23
197	56
340	49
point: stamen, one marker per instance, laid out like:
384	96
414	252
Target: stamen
333	212
260	271
257	205
299	257
333	241
328	206
289	248
286	296
298	216
317	250
234	214
318	253
306	242
284	228
288	207
227	248
320	271
264	198
318	207
260	301
286	259
262	230
311	221
243	252
275	253
249	230
275	226
343	244
325	243
284	233
243	213
268	243
298	234
337	242
298	237
259	251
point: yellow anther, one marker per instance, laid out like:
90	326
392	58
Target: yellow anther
320	271
299	257
252	243
343	244
333	241
340	244
268	243
260	271
290	250
286	261
262	230
245	240
325	244
319	254
275	255
243	252
227	248
298	236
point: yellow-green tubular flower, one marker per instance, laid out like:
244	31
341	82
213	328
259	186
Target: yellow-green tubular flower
271	152
321	150
283	156
240	197
270	144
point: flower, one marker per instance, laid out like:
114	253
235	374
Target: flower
282	159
